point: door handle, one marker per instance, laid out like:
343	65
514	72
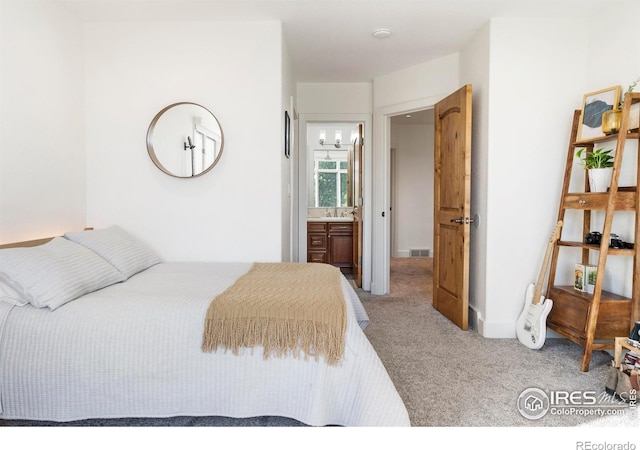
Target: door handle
465	220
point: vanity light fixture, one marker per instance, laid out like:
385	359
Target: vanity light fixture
337	143
338	138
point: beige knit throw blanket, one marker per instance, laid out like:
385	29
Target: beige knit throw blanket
284	307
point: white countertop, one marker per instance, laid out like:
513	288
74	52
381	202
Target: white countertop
330	219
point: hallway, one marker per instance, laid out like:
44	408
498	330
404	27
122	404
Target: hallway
411	278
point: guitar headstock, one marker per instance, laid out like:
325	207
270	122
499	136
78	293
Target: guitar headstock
556	232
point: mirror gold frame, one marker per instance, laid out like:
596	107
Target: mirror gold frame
153	147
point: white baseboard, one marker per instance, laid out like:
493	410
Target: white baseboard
497	330
503	330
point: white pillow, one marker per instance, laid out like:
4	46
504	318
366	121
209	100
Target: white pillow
11	293
54	273
122	250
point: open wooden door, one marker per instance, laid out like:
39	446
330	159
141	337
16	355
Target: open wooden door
452	204
357	207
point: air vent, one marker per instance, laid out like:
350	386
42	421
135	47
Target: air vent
419	252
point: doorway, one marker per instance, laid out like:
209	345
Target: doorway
411	190
318	152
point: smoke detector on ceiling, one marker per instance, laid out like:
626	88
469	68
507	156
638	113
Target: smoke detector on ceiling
382	33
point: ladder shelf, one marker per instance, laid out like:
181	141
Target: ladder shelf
595	320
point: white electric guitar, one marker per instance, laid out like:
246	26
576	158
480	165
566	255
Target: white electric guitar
531	327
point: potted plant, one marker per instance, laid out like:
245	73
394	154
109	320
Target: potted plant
599	164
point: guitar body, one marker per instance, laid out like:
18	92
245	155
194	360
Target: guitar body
531	327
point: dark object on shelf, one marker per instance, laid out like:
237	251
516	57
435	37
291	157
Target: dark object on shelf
593	238
616	242
634	336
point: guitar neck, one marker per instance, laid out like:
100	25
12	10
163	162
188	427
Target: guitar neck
537	293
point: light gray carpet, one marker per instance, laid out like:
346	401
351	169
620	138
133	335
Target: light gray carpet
447	377
450	377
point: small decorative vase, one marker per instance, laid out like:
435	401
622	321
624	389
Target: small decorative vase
611	121
599	179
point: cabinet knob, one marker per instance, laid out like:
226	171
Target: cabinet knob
582	202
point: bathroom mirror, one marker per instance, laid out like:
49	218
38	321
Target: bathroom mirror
185	140
330	163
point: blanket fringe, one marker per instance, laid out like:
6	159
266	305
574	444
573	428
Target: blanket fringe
278	337
287	308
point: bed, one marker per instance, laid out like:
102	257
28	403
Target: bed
125	339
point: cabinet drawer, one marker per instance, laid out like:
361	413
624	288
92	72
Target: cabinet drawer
316	241
340	227
316	226
317	257
625	200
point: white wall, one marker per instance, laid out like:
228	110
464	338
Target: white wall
536	81
412	214
235	69
42	153
517	72
438	77
287	164
474	70
335	98
624	53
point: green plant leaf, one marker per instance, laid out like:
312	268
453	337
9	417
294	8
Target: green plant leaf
595	159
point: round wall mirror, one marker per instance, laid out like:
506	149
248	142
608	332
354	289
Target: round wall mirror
185	140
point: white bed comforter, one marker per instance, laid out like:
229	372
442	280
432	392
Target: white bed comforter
133	350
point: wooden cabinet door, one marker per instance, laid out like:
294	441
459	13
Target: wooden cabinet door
341	252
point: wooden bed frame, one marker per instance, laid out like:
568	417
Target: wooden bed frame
32	243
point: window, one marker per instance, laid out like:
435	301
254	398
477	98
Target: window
330	183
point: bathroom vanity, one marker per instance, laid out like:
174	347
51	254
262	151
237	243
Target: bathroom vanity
330	240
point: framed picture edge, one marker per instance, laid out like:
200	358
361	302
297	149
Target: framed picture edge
287	134
616	101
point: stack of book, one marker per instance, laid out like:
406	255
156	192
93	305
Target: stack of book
584	277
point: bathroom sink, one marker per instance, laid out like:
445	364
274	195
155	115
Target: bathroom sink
330	219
